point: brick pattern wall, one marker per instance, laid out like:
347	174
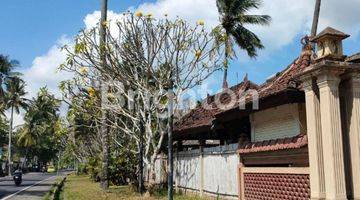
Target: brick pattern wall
276	186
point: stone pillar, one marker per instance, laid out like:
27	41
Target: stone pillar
201	189
313	117
332	136
353	117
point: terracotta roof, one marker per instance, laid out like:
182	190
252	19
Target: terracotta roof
329	31
197	117
354	58
274	145
286	79
283	80
204	113
201	117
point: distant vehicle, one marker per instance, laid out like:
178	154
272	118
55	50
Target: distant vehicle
17	177
51	169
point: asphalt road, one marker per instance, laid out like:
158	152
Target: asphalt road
34	186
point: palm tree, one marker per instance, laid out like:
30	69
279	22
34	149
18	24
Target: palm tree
40	118
234	17
103	129
27	138
6	67
316	18
14	99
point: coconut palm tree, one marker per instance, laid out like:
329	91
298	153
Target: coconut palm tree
103	128
315	18
14	100
40	119
6	67
234	17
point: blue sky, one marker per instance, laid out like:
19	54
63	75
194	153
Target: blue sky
32	26
33	30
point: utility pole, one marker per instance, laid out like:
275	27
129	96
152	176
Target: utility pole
316	18
103	128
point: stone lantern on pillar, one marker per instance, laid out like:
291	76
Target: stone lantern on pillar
329	44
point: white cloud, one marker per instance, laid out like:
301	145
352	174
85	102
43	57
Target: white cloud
342	15
191	10
290	18
44	72
92	20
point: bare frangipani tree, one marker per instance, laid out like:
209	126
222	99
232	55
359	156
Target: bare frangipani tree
144	56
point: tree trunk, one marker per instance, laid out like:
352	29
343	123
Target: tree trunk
103	129
227	49
225	84
316	18
10	136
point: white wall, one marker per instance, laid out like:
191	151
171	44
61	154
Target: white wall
219	171
279	122
187	170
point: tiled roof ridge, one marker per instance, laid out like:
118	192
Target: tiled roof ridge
200	117
295	142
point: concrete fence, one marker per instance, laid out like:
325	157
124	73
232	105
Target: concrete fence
211	171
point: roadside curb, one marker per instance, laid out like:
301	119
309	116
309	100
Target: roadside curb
57	187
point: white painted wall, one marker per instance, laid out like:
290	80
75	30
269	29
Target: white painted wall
187	170
279	122
219	171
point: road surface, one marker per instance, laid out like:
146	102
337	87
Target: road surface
34	186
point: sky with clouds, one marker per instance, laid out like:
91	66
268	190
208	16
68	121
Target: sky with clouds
34	30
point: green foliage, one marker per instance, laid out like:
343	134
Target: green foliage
93	168
38	137
122	167
4	127
234	18
15	92
81	169
6	67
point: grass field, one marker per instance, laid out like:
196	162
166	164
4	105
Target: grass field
82	188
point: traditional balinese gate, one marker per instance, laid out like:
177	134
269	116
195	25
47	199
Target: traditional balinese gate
274	183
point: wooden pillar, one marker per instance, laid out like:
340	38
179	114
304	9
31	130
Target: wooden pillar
332	136
316	161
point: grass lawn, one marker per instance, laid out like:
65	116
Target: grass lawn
82	188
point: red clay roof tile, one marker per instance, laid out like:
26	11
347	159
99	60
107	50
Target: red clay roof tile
274	145
201	117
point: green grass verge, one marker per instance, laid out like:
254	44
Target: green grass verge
54	192
82	188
